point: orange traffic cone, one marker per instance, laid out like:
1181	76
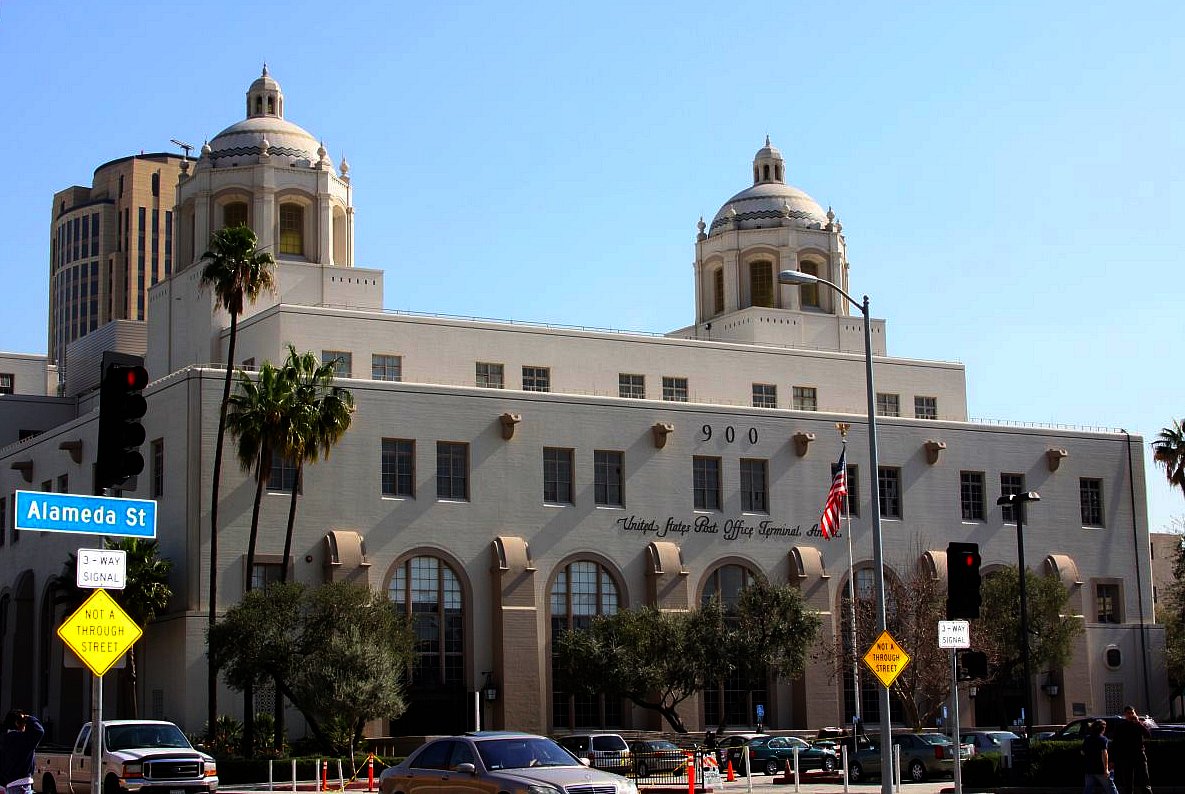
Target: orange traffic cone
731	775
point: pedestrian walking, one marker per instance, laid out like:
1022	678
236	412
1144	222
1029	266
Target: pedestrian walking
22	734
1128	754
1098	762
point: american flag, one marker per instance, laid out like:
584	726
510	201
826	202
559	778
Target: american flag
829	523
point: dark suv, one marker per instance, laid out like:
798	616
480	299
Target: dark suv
606	751
1077	730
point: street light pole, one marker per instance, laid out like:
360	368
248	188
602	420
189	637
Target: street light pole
886	738
1018	502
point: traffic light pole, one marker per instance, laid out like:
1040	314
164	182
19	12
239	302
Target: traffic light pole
1024	621
954	710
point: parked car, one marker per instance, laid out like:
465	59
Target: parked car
503	761
656	755
923	755
606	751
1077	730
988	741
769	754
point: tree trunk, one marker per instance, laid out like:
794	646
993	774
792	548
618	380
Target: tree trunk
216	479
280	717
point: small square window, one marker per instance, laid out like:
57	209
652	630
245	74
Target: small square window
7	383
706	483
754	485
557	475
631	386
608	481
342	360
536	379
925	407
384	366
1010	485
765	395
399	467
490	375
283	475
888	404
452	470
806	398
1108	608
674	389
1090	492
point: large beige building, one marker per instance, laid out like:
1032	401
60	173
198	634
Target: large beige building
505	480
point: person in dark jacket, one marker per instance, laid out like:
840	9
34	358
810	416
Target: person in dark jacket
1097	761
1127	753
22	734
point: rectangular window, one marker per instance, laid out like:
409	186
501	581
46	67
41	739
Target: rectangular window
7	383
63	483
706	482
557	475
292	229
925	407
889	486
806	398
1107	605
3	520
158	468
632	386
1010	485
399	467
718	291
888	404
754	485
674	389
809	293
765	395
155	246
853	498
168	243
283	476
971	495
489	375
536	379
1090	493
384	366
608	466
452	470
141	271
342	360
264	574
761	284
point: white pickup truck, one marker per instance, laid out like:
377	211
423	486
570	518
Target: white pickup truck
145	756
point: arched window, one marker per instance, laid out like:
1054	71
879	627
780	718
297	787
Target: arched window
718	291
809	293
428	591
765	172
580	592
761	284
292	229
778	173
234	214
733	700
271	106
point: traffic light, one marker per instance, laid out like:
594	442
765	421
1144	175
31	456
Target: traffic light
121	405
962	581
972	664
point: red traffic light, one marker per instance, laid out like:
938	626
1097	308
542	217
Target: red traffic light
969	560
136	378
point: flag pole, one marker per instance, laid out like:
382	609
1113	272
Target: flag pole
842	427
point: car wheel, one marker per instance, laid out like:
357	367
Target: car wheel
917	771
111	785
828	764
643	769
855	772
772	767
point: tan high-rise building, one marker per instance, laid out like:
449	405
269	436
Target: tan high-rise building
108	244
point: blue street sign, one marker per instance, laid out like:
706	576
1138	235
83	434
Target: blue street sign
760	712
88	515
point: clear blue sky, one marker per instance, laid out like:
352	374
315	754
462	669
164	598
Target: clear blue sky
1009	175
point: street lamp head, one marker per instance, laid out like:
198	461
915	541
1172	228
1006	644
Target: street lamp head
796	277
1016	498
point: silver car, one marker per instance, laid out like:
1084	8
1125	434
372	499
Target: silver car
487	762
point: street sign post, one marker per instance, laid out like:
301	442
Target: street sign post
88	515
886	659
99	632
106	568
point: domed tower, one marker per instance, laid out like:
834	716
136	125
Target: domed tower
275	177
769	227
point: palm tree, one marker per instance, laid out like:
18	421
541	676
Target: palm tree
237	272
1168	450
320	413
259	419
146	593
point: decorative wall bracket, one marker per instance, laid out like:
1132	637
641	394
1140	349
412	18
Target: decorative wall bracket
74	448
661	430
25	467
509	421
802	442
933	450
1054	457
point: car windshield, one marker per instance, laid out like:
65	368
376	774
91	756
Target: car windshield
523	752
934	738
662	745
126	737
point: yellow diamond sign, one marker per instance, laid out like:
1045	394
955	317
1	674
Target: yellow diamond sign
99	632
886	659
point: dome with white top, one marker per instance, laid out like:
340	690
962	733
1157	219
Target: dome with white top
769	201
264	131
